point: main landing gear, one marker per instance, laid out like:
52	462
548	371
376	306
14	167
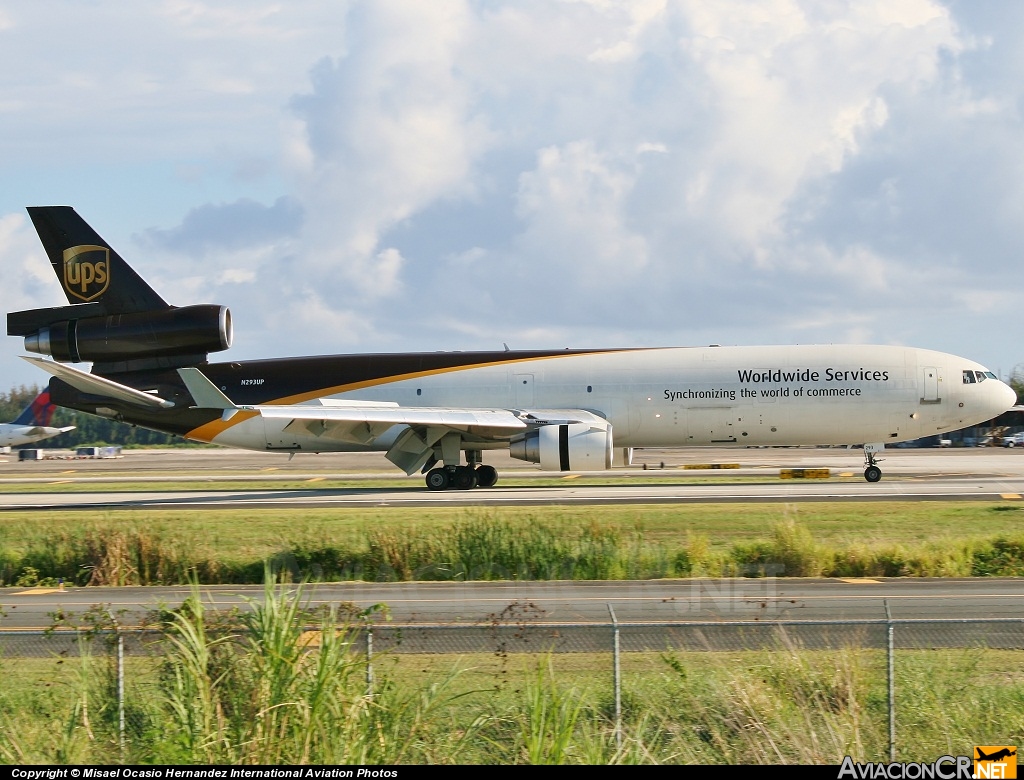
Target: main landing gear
462	477
871	471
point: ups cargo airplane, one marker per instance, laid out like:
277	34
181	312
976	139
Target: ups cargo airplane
566	410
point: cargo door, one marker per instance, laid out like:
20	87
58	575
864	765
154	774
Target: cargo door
523	384
930	385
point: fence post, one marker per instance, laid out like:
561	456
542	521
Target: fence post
369	659
120	683
890	653
616	678
120	691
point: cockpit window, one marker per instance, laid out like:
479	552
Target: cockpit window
990	375
980	376
968	377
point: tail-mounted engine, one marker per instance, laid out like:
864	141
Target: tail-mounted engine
567	447
163	333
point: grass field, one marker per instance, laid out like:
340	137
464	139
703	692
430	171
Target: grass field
635	542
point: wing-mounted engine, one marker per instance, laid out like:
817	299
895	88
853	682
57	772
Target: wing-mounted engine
578	446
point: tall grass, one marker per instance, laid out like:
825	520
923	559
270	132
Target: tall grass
486	547
276	683
263	687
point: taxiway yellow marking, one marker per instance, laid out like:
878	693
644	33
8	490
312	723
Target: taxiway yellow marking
37	592
69	471
1010	496
846	474
860	580
62	482
270	468
805	473
316	479
571	476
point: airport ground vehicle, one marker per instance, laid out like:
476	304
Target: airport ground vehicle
1014	440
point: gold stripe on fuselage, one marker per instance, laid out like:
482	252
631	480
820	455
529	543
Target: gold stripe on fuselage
209	430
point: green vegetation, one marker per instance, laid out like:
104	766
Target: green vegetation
591	543
258	687
1016	381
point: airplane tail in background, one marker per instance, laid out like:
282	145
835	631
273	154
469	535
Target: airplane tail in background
39	412
115	320
88	267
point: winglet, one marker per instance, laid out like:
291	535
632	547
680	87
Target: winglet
204	392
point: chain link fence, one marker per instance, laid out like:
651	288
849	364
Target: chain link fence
44	668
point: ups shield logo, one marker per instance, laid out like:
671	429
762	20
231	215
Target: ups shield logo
86	271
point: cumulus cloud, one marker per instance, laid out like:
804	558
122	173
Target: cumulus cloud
573	204
229	226
455	175
667	172
29	281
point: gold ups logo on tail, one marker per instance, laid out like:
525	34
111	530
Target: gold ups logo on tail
86	271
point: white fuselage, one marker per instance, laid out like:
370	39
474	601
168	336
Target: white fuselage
675	397
13	434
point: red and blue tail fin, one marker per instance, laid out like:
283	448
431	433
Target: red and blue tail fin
39	412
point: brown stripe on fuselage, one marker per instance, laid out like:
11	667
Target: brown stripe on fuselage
284	370
350	386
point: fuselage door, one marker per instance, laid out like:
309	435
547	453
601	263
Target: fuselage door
930	385
523	384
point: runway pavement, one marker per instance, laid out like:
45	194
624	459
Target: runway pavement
563	602
914	475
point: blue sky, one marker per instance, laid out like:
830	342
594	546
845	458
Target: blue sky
391	176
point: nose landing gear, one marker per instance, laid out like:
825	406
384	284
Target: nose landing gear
871	471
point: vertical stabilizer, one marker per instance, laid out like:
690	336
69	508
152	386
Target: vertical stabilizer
89	269
39	412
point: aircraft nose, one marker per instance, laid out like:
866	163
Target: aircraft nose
1005	398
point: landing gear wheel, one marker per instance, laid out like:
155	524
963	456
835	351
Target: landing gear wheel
437	479
464	478
486	476
871	471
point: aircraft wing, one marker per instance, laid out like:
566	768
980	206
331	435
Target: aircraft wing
361	422
45	431
423	427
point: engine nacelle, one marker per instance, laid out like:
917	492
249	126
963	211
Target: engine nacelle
164	333
569	447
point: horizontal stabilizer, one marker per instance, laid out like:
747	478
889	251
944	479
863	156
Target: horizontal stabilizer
97	385
46	431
